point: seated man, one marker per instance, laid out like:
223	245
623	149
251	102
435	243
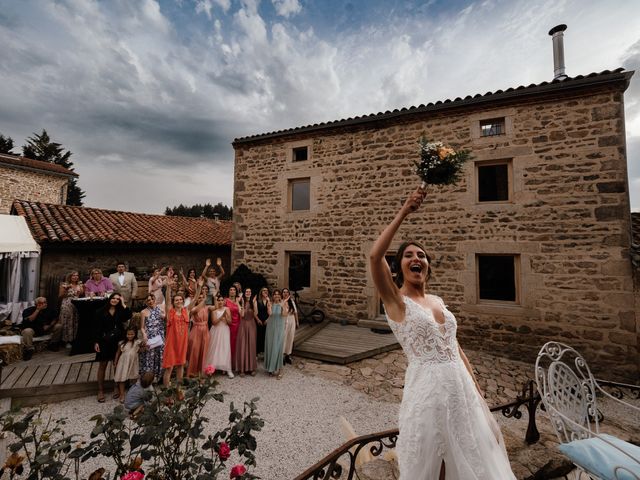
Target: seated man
36	321
138	393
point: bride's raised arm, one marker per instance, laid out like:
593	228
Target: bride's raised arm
382	279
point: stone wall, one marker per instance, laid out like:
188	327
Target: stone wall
56	263
568	221
22	184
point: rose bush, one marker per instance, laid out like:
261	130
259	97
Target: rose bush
173	438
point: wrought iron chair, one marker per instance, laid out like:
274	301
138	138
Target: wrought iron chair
568	391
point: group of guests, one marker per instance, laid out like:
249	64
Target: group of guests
65	326
42	319
193	326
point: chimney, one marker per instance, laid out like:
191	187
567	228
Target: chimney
558	51
216	217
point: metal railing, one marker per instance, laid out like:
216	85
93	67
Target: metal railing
334	466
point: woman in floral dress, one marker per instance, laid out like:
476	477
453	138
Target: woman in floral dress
152	327
70	289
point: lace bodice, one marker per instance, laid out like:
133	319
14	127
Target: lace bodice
422	338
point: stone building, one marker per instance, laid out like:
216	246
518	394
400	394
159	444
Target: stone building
80	238
33	180
532	245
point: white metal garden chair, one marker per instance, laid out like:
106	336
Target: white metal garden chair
568	391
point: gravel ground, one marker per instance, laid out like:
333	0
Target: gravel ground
300	412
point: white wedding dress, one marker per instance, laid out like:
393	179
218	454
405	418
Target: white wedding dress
443	418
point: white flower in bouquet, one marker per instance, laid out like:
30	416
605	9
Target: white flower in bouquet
439	164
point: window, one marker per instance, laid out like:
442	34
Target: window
299	194
494	184
300	154
299	270
497	277
493	127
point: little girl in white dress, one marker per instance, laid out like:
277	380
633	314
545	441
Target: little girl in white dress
127	361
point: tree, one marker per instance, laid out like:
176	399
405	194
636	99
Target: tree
207	210
6	144
40	147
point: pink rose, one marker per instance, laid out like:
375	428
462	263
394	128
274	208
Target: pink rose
132	476
238	471
224	451
209	370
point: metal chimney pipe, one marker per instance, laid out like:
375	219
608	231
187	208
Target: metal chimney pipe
558	51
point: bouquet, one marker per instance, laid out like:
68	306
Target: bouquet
439	164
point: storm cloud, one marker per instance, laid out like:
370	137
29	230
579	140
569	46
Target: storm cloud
149	95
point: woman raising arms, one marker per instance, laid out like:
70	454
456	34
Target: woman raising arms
446	429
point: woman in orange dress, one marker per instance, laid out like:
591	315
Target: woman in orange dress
199	335
176	340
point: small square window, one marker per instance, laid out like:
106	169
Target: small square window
300	154
299	270
300	198
497	277
494	181
493	127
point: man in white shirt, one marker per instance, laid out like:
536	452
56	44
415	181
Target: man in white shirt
124	283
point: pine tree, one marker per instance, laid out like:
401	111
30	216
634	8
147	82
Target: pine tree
6	144
207	210
40	147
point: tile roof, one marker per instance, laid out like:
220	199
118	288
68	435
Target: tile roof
50	223
569	83
30	164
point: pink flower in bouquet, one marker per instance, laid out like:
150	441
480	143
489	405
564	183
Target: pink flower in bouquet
224	451
132	476
238	471
209	370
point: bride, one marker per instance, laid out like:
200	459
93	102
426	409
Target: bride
446	429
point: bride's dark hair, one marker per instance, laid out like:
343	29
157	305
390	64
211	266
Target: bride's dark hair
397	262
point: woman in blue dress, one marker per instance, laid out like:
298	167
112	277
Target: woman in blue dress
274	337
152	328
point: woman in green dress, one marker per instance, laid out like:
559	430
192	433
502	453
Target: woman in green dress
274	337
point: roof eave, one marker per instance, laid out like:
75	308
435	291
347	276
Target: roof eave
498	97
40	170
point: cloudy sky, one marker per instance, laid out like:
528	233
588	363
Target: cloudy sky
149	95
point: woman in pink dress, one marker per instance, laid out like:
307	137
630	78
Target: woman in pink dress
233	303
156	282
199	335
246	360
219	351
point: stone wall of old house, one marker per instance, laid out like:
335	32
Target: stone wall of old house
57	262
22	184
567	220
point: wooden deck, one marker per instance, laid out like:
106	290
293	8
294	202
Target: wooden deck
52	379
343	344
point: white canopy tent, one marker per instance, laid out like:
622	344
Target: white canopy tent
19	266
